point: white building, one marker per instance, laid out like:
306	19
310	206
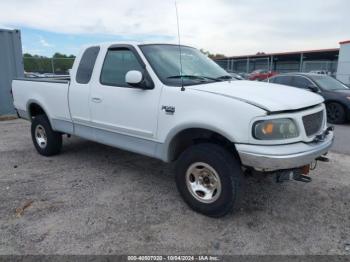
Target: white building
343	72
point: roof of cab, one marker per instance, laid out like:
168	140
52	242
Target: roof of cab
133	43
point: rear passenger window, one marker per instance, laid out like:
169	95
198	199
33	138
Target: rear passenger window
117	63
283	80
87	64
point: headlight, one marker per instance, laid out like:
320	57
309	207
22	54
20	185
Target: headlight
275	129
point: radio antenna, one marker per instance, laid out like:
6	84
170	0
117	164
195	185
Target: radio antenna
178	36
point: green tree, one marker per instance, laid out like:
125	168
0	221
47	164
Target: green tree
35	63
60	63
212	56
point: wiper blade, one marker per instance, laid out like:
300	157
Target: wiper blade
225	77
194	77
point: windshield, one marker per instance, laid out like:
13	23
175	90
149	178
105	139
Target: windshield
328	83
196	67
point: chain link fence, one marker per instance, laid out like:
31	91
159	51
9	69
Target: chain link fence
327	66
61	66
244	66
42	65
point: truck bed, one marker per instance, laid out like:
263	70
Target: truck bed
49	93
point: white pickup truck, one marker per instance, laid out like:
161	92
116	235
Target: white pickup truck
139	97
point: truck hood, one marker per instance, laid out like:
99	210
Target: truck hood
270	97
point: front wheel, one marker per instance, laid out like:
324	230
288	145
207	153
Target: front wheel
335	113
46	141
209	179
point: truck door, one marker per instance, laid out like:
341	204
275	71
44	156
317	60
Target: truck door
79	92
121	113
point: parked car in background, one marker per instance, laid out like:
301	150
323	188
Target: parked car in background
335	93
320	72
235	76
244	75
261	74
31	75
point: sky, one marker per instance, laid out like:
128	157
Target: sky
230	27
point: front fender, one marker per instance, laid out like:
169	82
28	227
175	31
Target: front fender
163	152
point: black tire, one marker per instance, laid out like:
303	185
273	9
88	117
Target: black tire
335	113
53	143
228	170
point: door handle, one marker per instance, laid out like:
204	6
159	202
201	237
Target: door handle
96	100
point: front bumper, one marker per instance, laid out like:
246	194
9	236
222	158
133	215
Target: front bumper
279	157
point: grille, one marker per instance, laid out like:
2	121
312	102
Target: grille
313	123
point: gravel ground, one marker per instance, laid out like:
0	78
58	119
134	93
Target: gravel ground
94	199
342	141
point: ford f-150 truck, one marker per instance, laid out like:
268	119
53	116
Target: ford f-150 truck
173	103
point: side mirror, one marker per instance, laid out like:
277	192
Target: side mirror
134	78
313	88
137	79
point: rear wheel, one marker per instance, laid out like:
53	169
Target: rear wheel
209	179
46	141
335	113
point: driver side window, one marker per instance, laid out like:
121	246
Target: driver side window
117	63
301	82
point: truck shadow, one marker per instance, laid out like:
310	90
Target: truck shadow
259	190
